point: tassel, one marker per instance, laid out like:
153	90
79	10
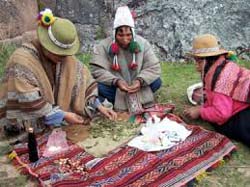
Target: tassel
201	176
12	155
134	47
115	65
114	48
218	164
133	65
221	163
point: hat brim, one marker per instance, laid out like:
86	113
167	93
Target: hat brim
45	41
219	52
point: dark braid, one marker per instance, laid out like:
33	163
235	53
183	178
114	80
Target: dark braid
209	62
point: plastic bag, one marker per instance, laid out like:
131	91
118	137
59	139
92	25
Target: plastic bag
57	143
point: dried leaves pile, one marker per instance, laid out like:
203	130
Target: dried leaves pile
115	129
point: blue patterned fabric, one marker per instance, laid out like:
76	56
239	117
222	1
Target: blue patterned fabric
55	117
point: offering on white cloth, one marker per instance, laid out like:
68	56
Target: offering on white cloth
159	135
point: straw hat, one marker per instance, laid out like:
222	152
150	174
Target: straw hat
57	35
206	45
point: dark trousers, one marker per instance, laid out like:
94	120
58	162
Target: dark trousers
110	91
237	127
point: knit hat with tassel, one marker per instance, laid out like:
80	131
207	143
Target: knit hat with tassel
123	17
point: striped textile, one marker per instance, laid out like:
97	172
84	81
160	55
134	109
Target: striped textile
31	85
228	78
128	166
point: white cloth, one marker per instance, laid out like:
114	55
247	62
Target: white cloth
160	135
190	91
123	16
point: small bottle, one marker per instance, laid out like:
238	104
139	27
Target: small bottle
32	146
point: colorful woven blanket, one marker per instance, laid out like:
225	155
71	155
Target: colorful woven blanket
127	166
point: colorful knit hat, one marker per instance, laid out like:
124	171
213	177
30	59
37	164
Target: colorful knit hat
123	17
57	35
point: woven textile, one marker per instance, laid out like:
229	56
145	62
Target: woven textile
127	166
230	79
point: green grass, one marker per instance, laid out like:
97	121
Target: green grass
84	58
176	77
5	52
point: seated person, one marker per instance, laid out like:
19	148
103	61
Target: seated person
226	87
125	64
44	83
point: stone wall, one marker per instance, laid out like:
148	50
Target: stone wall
17	19
168	25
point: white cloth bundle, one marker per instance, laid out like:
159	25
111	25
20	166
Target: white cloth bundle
159	135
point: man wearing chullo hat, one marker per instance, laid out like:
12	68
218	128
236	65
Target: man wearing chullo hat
226	87
44	83
125	66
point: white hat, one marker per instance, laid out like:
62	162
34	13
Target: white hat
123	17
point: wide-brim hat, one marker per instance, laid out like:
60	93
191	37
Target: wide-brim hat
206	45
59	38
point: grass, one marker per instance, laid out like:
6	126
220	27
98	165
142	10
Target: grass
84	58
5	52
176	78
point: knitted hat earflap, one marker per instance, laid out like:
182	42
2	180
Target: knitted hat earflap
114	50
134	48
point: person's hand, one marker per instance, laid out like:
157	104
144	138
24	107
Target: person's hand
122	85
192	113
109	113
135	87
73	118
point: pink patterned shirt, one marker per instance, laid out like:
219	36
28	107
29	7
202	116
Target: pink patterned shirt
218	108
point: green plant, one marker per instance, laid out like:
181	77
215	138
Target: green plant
85	58
100	33
5	52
